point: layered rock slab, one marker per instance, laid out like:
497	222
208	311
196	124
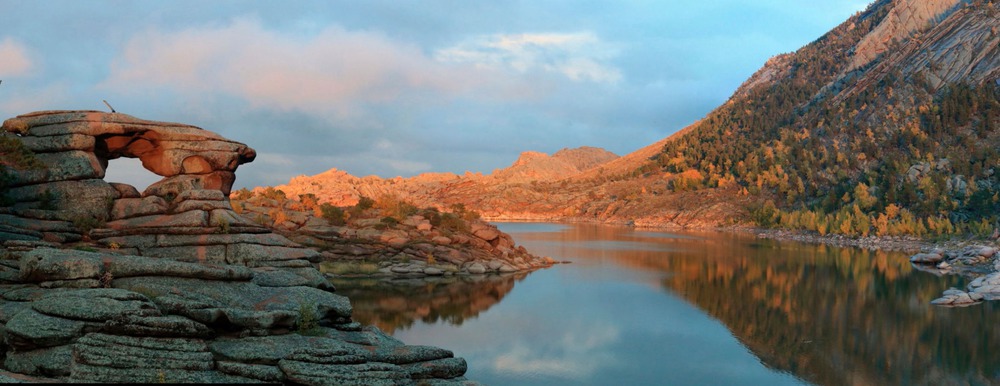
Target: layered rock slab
171	321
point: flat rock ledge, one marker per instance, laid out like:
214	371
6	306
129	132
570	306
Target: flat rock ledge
134	319
981	262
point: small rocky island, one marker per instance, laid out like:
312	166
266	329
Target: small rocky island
99	282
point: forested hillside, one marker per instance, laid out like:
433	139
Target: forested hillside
905	144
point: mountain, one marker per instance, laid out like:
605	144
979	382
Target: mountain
884	125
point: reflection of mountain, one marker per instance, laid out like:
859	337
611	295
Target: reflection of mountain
837	316
828	315
392	304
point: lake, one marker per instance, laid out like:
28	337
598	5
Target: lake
691	308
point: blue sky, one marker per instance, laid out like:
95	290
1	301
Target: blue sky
398	87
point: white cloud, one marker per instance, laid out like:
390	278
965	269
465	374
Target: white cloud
578	354
580	56
14	60
333	71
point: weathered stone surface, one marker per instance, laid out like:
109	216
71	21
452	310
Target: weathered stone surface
88	373
45	264
95	304
410	354
156	326
271	349
57	264
278	278
85	198
201	195
926	258
308	373
189	205
62	166
126	208
59	143
114	351
239	304
52	361
244	254
195	218
476	269
438	368
125	190
175	185
266	373
9	309
906	17
30	328
485	232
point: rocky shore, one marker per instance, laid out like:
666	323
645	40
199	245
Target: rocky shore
102	283
977	260
390	237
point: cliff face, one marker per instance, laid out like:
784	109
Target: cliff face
905	18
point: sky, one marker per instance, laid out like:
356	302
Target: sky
397	87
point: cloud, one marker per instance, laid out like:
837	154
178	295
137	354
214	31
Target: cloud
334	70
580	56
15	59
581	352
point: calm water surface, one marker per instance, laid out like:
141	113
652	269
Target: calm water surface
647	307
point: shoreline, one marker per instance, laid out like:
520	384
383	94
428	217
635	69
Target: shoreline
908	244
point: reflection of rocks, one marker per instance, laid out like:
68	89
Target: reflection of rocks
391	304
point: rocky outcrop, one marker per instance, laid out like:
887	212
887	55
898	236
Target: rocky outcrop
537	166
174	283
427	243
186	216
905	18
151	320
956	44
972	261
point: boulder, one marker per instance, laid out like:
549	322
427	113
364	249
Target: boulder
926	258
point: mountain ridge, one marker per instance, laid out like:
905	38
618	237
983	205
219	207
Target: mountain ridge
863	104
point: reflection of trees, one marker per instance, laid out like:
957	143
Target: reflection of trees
839	316
394	304
827	315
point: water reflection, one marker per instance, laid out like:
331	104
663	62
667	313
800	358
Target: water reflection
647	307
393	304
840	316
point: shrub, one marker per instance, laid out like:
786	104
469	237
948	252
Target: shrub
332	214
242	194
364	203
393	206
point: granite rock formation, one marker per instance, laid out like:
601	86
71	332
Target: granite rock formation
153	320
425	243
185	216
168	285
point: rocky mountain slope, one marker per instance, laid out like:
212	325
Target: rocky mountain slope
885	125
